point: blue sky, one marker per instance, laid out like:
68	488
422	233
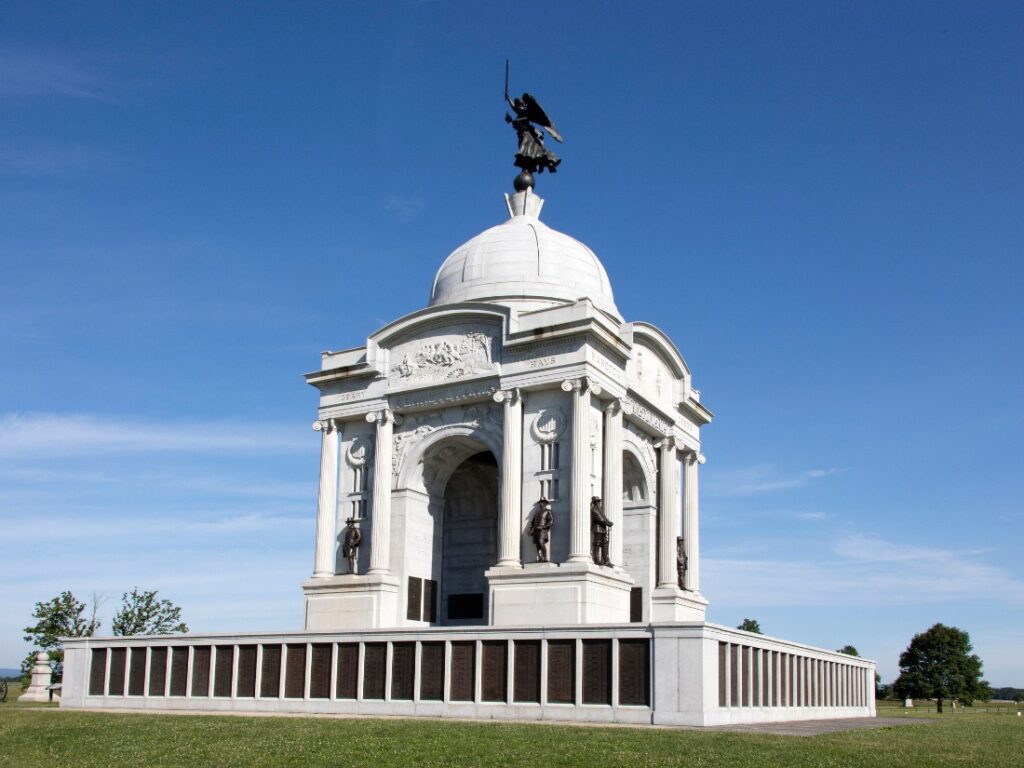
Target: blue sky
822	203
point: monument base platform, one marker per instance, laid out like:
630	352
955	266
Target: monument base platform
558	594
674	604
340	602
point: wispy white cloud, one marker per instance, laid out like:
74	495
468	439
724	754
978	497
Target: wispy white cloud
25	73
36	435
49	161
194	526
405	208
861	570
760	479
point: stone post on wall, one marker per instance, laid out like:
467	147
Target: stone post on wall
327	509
510	527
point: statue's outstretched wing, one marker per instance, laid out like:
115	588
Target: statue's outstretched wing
535	114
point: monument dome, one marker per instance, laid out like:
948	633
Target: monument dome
524	263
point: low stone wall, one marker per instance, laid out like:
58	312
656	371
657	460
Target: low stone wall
686	674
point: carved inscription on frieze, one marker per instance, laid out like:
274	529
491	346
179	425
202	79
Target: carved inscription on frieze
647	416
542	353
443	396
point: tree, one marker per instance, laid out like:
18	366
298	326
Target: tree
849	650
63	616
938	664
750	625
142	614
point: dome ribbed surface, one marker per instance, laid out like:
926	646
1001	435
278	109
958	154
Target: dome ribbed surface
523	262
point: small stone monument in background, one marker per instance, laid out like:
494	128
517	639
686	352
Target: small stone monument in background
39	688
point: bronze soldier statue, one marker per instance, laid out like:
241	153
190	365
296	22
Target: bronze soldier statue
540	529
350	548
600	532
682	562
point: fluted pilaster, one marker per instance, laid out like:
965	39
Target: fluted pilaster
612	491
380	505
691	517
327	502
668	513
511	479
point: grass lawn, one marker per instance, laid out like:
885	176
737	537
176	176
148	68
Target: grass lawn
33	736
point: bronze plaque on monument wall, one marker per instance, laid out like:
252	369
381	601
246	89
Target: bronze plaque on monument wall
403	670
495	671
414	610
295	671
179	671
463	671
245	686
201	670
432	671
636	604
225	662
634	674
118	659
527	672
157	670
561	671
597	671
375	656
270	675
137	672
430	600
348	670
97	671
320	672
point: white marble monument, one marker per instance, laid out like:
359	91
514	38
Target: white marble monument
519	381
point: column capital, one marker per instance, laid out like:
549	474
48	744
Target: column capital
581	385
324	425
693	456
383	416
513	396
614	407
668	443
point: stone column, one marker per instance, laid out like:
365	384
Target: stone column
691	519
380	509
613	477
579	526
511	480
327	509
668	513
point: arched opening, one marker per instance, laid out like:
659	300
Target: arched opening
639	528
446	518
469	542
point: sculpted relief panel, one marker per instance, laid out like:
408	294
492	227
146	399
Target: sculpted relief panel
453	353
486	417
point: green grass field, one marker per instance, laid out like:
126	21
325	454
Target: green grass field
43	736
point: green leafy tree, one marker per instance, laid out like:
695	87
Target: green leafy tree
63	616
849	650
750	625
938	664
142	614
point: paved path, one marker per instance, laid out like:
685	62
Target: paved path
818	727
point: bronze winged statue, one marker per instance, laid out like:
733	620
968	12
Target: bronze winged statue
530	117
